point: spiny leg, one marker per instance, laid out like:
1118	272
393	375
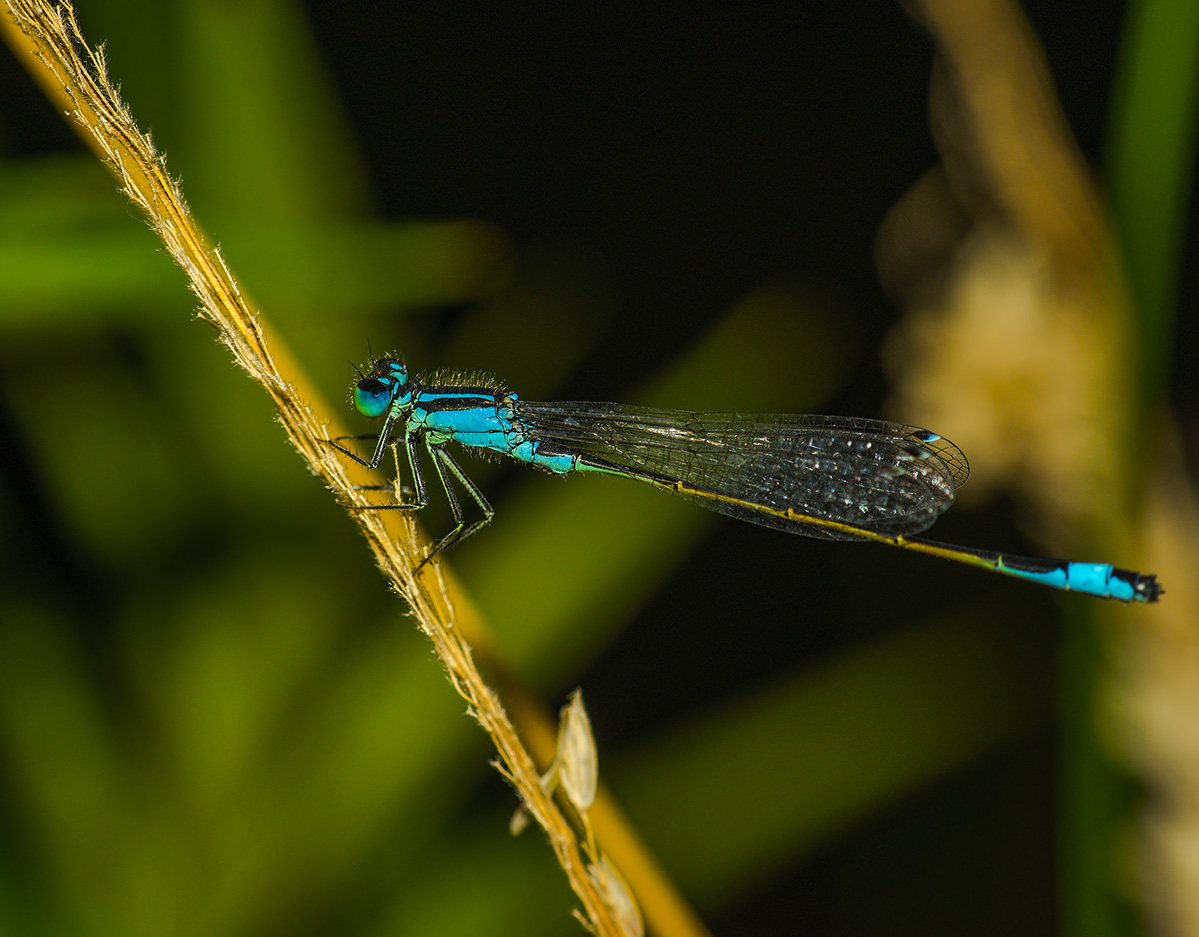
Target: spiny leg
422	497
361	461
475	492
353	455
441	461
384	440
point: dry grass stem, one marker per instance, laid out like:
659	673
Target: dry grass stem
75	76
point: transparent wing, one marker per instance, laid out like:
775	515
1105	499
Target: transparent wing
779	470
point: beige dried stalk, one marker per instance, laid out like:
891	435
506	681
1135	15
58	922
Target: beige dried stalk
75	77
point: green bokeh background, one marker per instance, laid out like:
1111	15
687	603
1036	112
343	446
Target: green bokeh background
214	718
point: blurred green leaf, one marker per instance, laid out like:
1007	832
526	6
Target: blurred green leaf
779	779
1151	163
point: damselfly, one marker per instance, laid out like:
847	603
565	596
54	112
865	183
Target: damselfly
835	478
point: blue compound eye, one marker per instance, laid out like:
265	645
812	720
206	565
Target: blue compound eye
372	396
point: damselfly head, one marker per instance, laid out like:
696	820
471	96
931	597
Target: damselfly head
375	391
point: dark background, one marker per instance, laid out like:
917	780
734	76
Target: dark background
684	157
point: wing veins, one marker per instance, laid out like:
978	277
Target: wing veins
884	477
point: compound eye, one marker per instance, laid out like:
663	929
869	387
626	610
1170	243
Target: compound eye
372	396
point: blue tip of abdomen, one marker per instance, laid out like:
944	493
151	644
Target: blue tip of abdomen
1098	579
